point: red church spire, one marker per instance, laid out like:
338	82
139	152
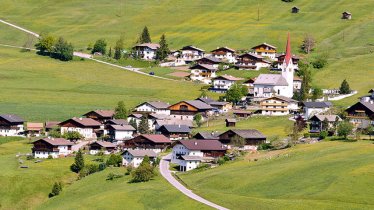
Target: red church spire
288	50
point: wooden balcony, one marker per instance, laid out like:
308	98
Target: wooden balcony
275	109
273	104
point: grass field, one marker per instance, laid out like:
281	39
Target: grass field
327	175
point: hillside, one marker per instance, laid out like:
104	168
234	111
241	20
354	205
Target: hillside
326	175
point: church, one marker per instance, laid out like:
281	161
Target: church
269	85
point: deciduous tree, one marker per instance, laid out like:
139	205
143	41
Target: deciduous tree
45	43
99	46
344	129
236	93
308	43
120	112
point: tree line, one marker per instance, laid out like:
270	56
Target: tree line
54	47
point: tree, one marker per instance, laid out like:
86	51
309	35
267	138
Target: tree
120	112
237	141
110	52
145	37
72	135
63	50
198	118
344	129
133	123
114	160
344	87
144	172
143	127
320	61
118	49
317	93
78	164
306	74
236	93
55	133
162	52
56	189
308	43
99	46
45	43
370	130
294	132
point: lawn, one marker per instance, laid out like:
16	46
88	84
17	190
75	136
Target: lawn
326	175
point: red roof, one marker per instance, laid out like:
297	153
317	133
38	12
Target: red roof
56	141
288	51
157	138
204	145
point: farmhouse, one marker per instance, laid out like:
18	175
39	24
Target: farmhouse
155	142
100	115
209	60
252	138
278	105
87	127
51	147
158	107
116	122
49	125
208	135
220	106
191	53
135	157
265	50
368	98
203	73
186	110
222	83
230	122
188	154
146	51
361	114
225	54
11	125
34	129
158	123
242	113
102	146
175	132
118	133
316	122
313	108
248	61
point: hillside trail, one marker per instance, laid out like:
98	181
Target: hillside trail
82	55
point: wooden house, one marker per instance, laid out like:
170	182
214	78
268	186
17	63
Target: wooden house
102	146
316	122
100	115
252	138
34	129
224	82
265	50
203	72
230	122
175	132
225	54
191	53
134	158
278	106
11	125
242	113
361	114
208	135
249	61
155	142
186	110
87	127
146	51
158	107
220	106
209	60
51	147
346	15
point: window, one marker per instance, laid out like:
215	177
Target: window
183	107
278	91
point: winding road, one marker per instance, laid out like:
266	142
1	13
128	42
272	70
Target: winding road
166	173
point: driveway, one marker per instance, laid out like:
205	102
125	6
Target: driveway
166	173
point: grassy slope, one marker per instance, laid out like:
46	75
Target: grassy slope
40	88
327	175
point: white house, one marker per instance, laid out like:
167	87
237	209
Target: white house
51	147
203	72
191	53
222	83
134	158
250	61
87	127
157	107
11	125
119	133
312	108
225	54
146	51
265	50
368	98
188	154
278	105
103	146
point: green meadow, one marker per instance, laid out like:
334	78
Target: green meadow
326	175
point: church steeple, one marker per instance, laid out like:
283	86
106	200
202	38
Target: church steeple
288	68
288	56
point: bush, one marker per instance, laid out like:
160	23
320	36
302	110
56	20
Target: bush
314	135
323	134
114	160
144	172
265	146
221	161
88	169
50	157
102	166
56	189
320	62
306	135
129	170
112	176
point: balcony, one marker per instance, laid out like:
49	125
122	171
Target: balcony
273	104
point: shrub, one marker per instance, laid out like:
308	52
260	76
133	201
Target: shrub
265	146
114	160
306	135
112	176
88	169
50	157
56	189
221	161
102	166
320	62
129	170
344	129
323	134
144	172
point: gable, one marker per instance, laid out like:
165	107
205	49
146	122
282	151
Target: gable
183	106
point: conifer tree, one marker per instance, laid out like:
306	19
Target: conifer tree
143	127
145	37
78	162
120	111
110	52
163	51
118	49
133	123
344	88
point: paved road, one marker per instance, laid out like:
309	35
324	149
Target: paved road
166	173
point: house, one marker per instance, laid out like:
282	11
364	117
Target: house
278	105
242	113
186	110
34	129
203	72
346	15
265	50
368	98
225	54
50	125
173	121
250	84
146	51
51	147
222	83
230	122
316	122
208	135
191	53
175	132
209	60
280	59
155	142
11	125
249	61
252	138
100	115
220	106
134	158
361	114
158	107
102	146
136	117
268	85
87	127
295	10
189	154
313	108
116	122
119	133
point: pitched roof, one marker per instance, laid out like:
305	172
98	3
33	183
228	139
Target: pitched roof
31	126
12	118
208	134
192	47
225	48
122	127
191	157
228	77
212	101
86	122
247	133
251	55
282	98
176	128
117	122
296	78
230	120
271	79
105	144
330	118
153	46
56	141
157	138
141	153
102	113
266	44
51	124
174	121
203	145
288	57
211	58
199	104
204	66
371	90
158	116
135	115
368	105
156	104
316	104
